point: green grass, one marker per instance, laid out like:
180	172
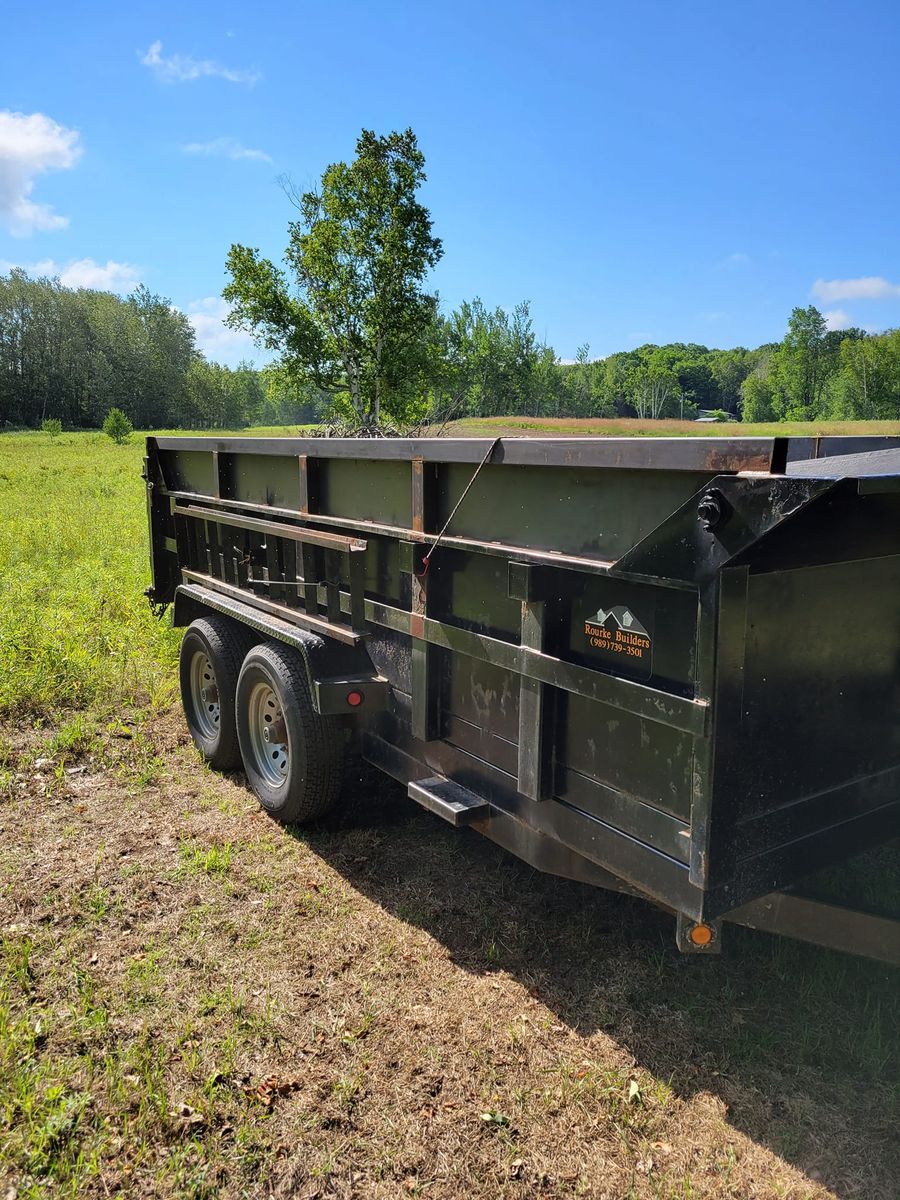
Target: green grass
75	629
212	860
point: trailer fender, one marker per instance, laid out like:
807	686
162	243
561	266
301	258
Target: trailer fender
342	679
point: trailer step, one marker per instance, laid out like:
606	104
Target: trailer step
449	800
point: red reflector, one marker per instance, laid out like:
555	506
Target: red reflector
354	699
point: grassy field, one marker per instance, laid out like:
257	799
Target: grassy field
197	1003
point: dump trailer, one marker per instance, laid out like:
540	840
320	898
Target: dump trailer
667	666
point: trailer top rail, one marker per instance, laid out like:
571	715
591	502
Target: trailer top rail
776	455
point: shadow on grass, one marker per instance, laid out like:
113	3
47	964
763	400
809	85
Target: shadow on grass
800	1043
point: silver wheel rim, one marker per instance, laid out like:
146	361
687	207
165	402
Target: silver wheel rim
205	696
269	746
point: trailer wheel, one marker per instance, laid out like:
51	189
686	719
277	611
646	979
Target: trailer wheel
292	754
212	650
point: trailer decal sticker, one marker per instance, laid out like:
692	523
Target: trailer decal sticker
617	633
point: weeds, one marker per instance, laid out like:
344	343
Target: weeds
213	860
75	737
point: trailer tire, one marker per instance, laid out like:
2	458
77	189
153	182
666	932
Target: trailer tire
292	755
212	651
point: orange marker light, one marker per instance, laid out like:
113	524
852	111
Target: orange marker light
701	935
354	699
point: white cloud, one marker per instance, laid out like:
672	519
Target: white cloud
181	68
109	277
866	287
226	147
837	318
83	273
214	338
31	144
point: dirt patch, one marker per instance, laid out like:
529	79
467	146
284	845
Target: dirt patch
197	1002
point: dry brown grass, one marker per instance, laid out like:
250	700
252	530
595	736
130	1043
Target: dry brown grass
196	1002
667	427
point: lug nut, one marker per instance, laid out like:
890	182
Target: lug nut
275	734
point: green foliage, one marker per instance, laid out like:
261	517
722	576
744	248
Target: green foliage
117	426
654	386
729	369
287	400
757	394
579	384
360	321
492	364
819	373
219	397
801	366
69	356
72	354
813	374
867	385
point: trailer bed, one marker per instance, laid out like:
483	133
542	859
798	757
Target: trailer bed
666	665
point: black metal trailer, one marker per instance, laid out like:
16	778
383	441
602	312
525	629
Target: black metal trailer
666	666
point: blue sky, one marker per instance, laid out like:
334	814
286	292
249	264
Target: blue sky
655	171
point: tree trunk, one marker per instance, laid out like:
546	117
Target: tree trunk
352	370
379	346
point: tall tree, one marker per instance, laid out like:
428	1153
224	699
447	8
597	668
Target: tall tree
654	385
167	346
801	367
729	370
868	382
579	381
359	318
757	394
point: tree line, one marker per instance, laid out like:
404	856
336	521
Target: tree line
72	354
813	373
357	335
